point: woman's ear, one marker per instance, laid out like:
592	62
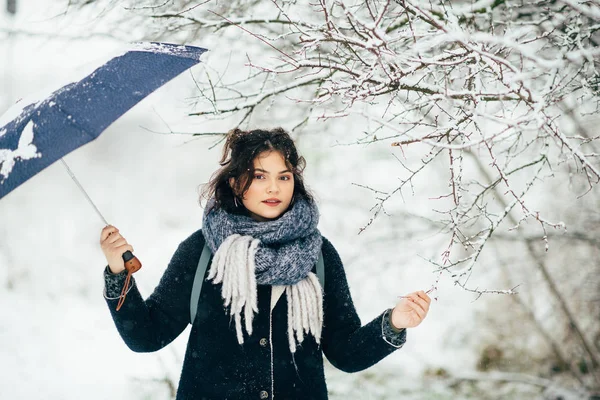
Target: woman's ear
231	182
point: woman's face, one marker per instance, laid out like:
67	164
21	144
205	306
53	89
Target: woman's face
272	187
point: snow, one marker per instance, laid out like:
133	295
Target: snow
56	334
161	48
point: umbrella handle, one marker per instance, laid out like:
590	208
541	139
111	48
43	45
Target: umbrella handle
132	264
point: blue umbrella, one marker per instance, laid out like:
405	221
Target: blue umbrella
46	130
79	112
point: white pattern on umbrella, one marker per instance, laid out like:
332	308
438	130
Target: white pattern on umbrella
26	150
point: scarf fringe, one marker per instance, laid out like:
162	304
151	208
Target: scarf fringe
234	266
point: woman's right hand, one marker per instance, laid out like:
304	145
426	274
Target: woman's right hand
113	246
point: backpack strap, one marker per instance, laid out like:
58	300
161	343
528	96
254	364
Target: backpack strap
198	280
321	271
201	271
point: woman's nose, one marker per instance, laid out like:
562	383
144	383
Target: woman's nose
273	187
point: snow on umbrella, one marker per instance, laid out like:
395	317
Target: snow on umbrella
41	132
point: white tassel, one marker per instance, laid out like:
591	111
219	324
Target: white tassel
311	307
234	265
218	265
297	314
231	267
292	342
252	274
238	328
306	292
319	306
239	292
249	286
227	283
305	310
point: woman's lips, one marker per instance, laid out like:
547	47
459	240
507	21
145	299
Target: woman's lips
272	203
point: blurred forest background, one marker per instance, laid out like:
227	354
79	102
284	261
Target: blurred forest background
452	146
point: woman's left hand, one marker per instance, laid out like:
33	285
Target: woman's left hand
411	310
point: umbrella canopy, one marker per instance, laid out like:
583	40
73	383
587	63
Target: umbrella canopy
44	131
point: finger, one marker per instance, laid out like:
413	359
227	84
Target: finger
110	228
114	238
416	301
107	232
424	304
111	239
417	309
126	247
424	296
119	243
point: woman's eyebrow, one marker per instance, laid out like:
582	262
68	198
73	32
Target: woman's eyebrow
267	172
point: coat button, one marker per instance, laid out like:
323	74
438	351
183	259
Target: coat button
263	342
264	394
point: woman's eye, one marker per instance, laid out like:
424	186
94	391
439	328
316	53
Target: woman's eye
285	178
259	176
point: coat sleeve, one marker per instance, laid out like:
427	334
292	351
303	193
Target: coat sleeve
149	325
347	344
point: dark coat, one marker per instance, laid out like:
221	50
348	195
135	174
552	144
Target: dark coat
216	366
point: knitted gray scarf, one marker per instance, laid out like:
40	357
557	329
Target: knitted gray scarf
280	252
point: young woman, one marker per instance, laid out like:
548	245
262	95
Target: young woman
263	321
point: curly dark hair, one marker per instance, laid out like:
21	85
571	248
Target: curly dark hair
237	161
